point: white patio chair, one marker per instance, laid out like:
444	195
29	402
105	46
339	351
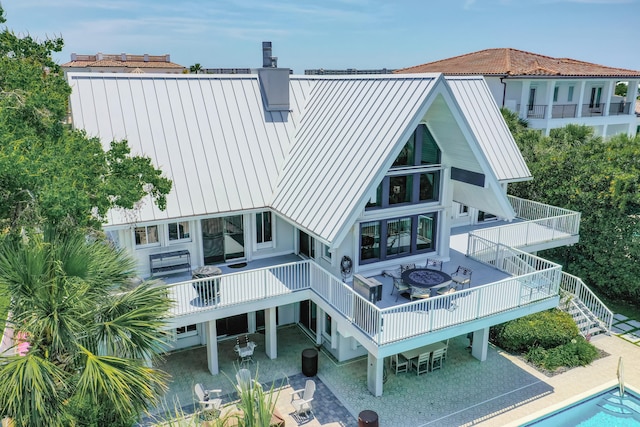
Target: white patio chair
301	399
462	277
244	381
399	363
421	364
437	359
207	403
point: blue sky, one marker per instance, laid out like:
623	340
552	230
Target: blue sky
334	33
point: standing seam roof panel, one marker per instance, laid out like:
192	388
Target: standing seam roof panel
489	127
365	138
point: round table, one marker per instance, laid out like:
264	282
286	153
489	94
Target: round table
425	278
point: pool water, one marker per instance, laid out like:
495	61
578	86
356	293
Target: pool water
605	409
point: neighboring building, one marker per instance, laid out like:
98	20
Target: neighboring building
122	63
348	71
549	92
347	172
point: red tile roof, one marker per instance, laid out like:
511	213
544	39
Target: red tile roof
132	61
514	62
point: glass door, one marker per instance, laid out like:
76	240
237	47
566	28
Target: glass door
222	239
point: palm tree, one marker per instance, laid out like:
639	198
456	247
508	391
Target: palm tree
195	68
89	335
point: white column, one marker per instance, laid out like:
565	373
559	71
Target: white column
251	322
524	99
271	335
375	372
581	95
319	325
551	86
334	334
480	344
212	347
610	88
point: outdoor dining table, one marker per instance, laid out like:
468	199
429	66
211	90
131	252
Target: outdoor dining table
425	279
430	348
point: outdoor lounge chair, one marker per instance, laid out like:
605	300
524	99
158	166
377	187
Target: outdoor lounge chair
207	403
301	399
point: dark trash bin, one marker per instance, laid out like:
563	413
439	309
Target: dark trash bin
368	418
207	290
310	362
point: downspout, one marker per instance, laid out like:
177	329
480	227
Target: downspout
504	90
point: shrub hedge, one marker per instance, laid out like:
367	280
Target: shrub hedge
548	339
546	329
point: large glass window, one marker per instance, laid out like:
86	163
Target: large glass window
429	186
400	189
421	158
398	236
403	236
370	240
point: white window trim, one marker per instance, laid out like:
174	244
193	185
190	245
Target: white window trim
324	253
264	245
177	241
147	245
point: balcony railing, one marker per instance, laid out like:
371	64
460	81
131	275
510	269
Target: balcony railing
536	111
563	111
593	110
544	223
535	281
619	108
576	288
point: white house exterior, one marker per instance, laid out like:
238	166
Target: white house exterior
550	92
323	167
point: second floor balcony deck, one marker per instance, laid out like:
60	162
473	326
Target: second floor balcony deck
507	283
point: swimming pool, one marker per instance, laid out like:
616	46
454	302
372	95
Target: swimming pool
604	409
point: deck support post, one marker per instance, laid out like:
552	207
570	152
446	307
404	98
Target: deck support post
480	345
212	347
375	374
271	335
319	325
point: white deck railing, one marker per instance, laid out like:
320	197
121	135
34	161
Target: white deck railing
577	289
383	326
543	223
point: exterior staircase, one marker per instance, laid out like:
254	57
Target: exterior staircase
589	313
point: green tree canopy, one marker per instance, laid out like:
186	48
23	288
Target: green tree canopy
577	170
50	173
89	331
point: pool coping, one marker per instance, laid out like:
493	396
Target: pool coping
571	401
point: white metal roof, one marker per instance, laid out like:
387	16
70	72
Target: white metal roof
491	131
315	165
209	134
350	128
